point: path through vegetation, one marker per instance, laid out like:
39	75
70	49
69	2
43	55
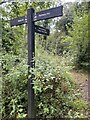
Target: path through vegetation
82	80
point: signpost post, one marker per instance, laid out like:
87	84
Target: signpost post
31	54
30	20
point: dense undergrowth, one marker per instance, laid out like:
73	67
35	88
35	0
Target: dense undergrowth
56	94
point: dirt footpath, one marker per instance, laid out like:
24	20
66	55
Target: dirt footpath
82	80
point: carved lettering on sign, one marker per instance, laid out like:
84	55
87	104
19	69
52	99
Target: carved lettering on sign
44	14
20	20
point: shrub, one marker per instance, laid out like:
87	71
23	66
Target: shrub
54	89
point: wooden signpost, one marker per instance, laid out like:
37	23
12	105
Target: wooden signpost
30	20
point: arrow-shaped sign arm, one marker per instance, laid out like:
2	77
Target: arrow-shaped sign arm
18	21
48	14
42	30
